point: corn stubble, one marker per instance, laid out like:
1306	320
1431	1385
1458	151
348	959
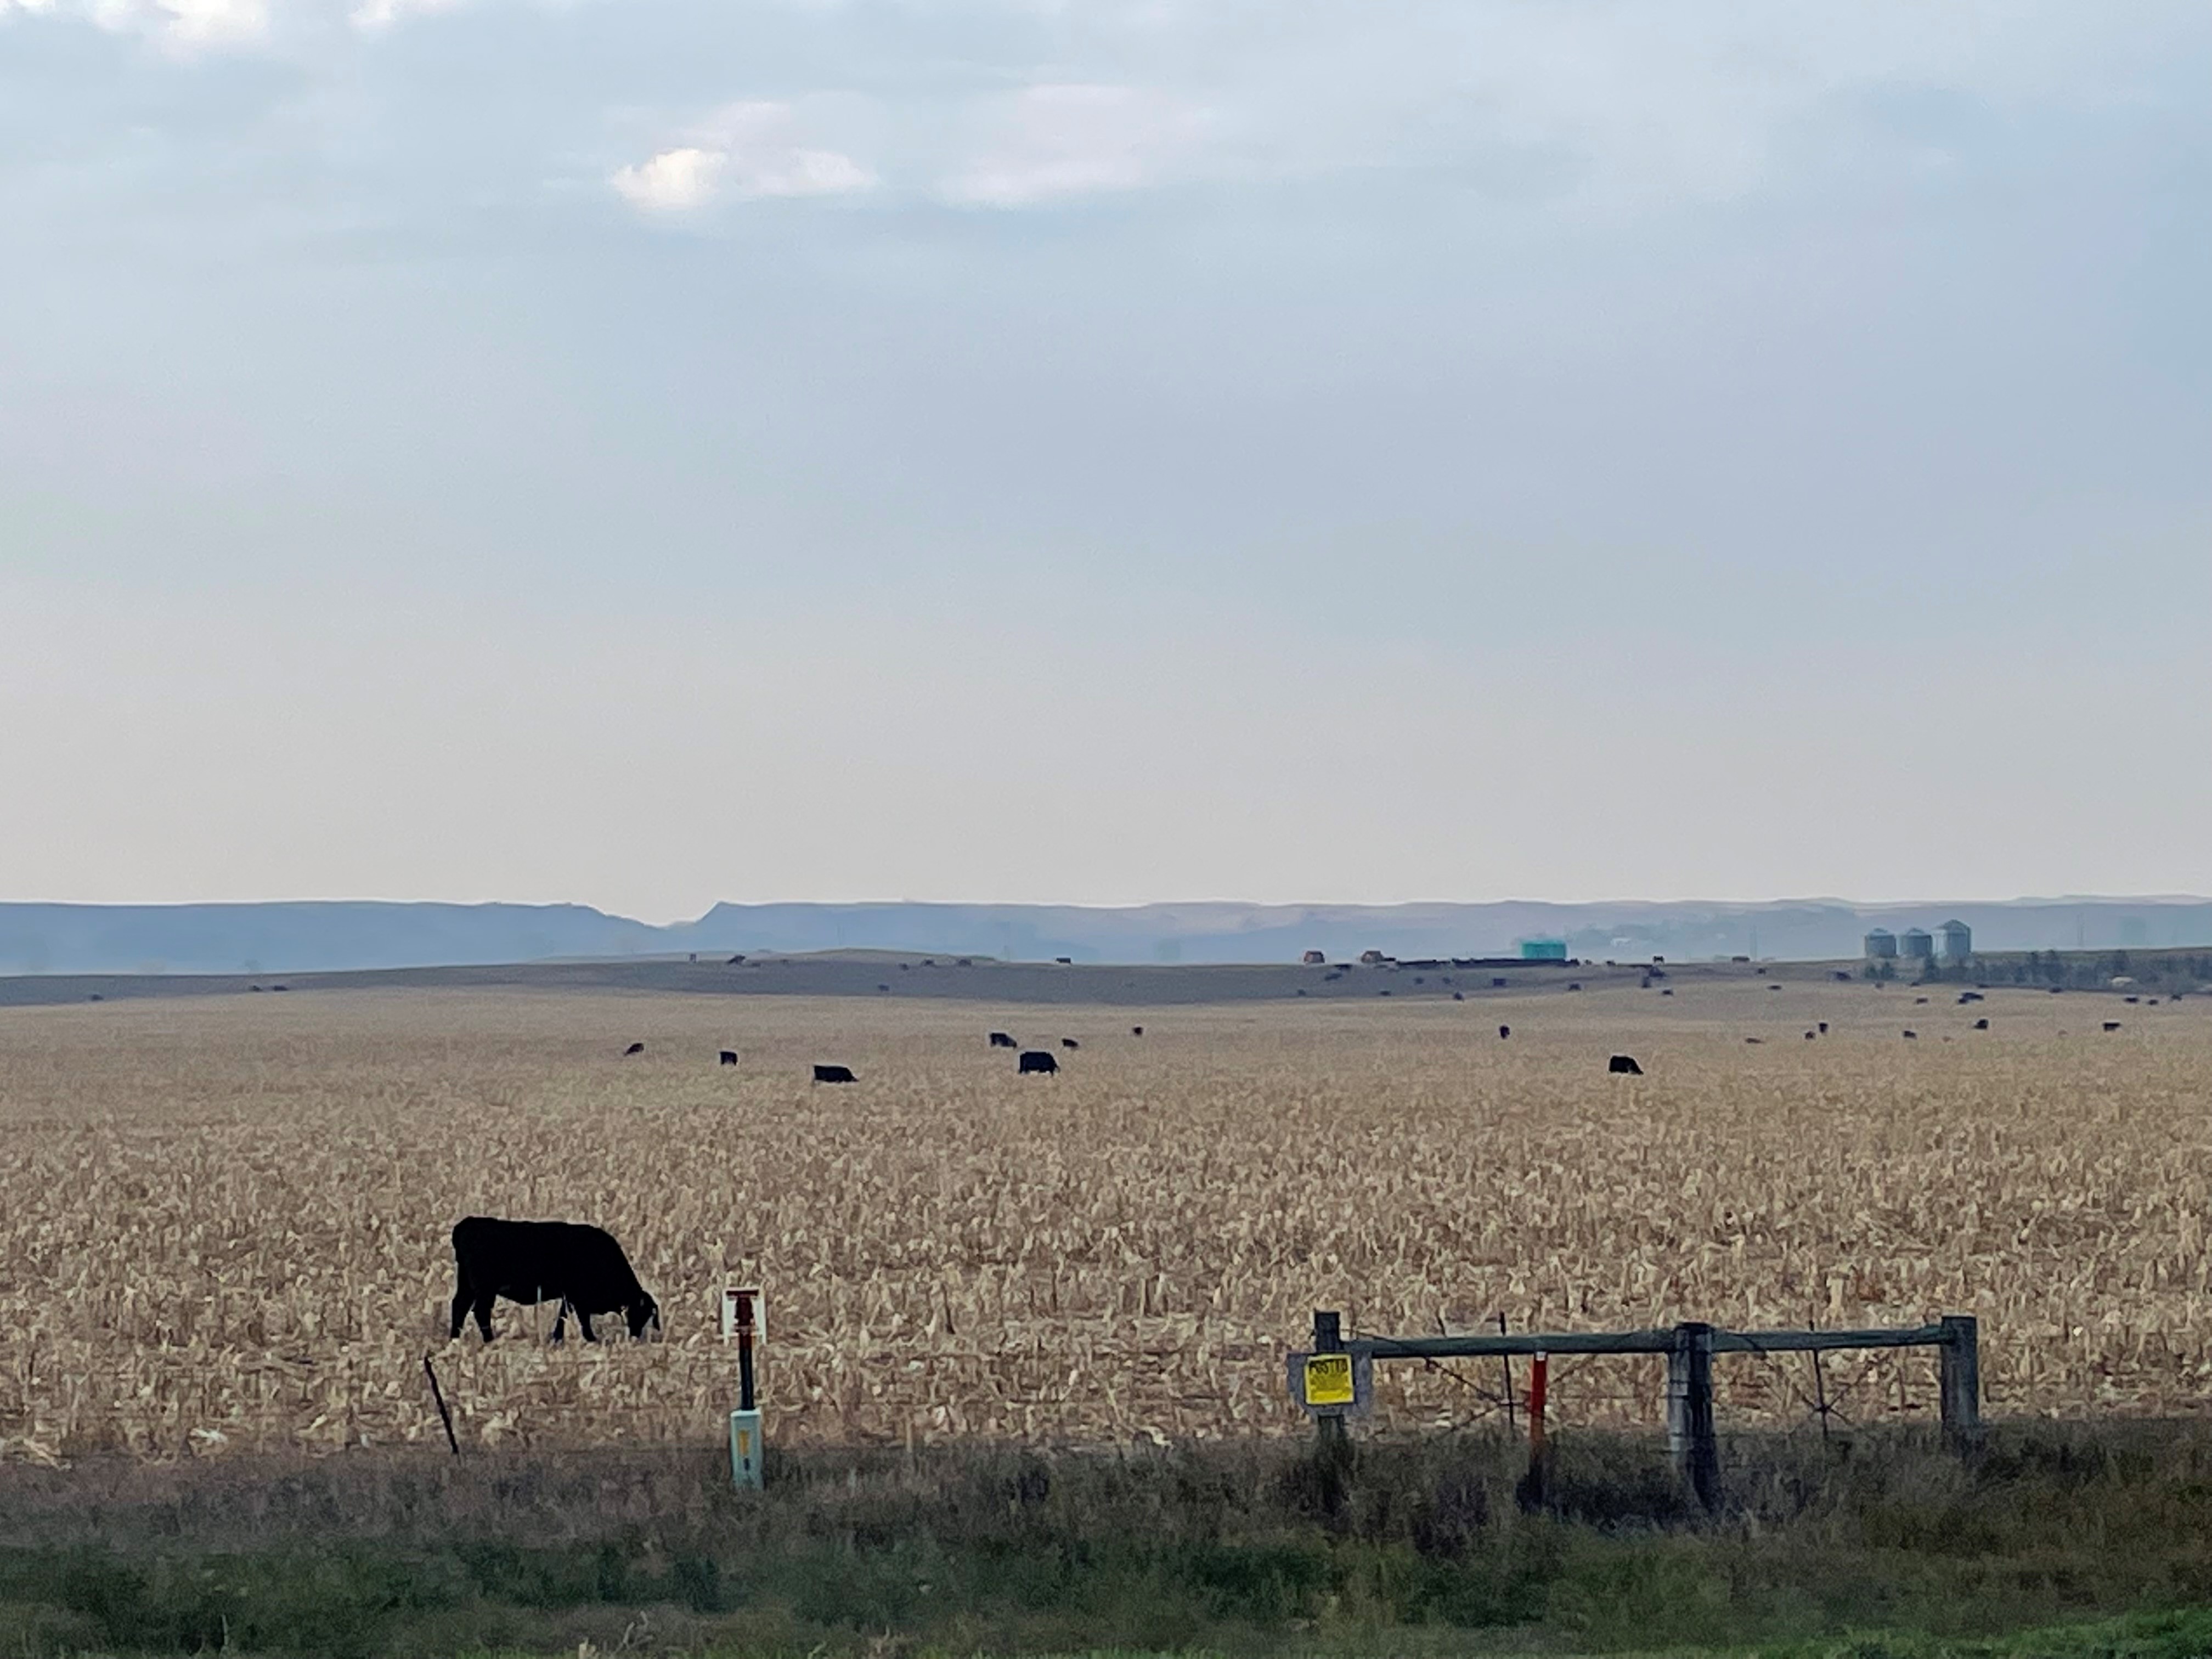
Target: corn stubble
223	1223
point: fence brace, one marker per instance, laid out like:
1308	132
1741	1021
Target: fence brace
1689	1349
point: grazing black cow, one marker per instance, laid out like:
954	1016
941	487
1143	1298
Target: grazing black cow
1136	1030
1624	1066
1576	984
1667	991
1911	1035
1459	996
835	1074
1824	1027
1981	1025
735	962
1037	1061
1000	1040
1504	1032
2112	1025
1754	1039
1843	976
580	1267
1069	1042
1810	1035
634	1049
729	1057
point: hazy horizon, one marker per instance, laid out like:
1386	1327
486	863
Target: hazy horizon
620	454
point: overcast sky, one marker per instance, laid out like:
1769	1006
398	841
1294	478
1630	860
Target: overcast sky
649	452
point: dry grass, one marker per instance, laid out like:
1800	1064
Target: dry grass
222	1222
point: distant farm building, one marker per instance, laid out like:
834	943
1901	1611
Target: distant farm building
1917	944
1955	940
1372	959
1881	945
1315	959
1543	950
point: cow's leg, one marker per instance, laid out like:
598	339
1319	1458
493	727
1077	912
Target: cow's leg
462	1300
483	1310
584	1324
561	1321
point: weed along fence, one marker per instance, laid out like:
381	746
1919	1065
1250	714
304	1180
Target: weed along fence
1335	1380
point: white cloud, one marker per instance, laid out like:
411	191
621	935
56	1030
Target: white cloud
674	181
748	151
215	22
1057	141
182	25
373	17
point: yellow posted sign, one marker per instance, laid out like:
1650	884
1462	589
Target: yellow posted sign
1328	1379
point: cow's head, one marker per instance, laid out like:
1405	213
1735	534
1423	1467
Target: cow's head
642	1313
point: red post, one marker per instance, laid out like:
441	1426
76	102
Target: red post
1531	1492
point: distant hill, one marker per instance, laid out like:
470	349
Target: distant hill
299	938
308	937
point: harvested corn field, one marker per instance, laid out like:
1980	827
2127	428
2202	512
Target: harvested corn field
223	1221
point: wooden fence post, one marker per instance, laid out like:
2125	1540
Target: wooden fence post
1332	1441
1328	1338
1960	1381
1690	1434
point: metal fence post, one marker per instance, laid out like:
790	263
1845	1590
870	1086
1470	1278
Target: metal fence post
1960	1381
1690	1434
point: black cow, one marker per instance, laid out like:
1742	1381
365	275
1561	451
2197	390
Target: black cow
1981	1025
580	1267
729	1057
634	1049
1505	1031
1824	1027
1624	1066
1810	1035
1136	1030
1037	1061
1069	1042
2112	1025
835	1074
1911	1036
1000	1040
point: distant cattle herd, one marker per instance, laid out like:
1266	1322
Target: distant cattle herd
583	1271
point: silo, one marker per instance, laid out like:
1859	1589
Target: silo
1881	945
1956	941
1917	944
